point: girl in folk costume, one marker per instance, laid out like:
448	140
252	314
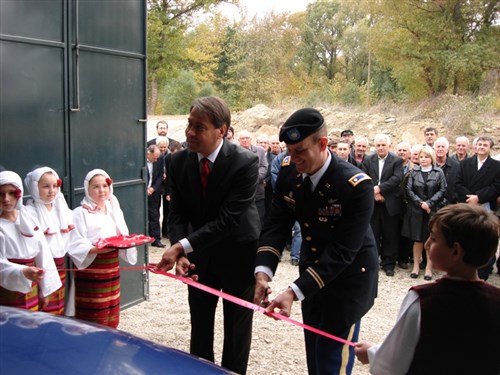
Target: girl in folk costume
97	289
28	273
49	207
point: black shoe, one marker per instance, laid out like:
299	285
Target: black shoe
389	272
403	265
413	275
157	244
294	262
428	277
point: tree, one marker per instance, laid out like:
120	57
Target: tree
326	23
437	46
167	23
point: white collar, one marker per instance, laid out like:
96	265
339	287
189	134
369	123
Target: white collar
317	176
213	155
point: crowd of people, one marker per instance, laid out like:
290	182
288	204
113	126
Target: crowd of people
230	207
368	208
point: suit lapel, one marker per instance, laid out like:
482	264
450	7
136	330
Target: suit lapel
478	176
194	181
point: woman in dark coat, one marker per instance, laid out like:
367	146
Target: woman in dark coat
425	188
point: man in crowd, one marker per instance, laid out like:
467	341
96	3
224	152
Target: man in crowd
332	145
449	166
214	229
478	182
272	152
361	145
386	172
461	148
333	202
430	135
344	153
162	130
155	167
163	144
348	136
245	139
403	150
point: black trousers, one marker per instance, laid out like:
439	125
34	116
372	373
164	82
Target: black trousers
386	230
166	210
154	216
237	320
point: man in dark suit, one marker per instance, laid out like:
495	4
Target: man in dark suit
449	166
333	203
386	171
478	182
214	226
155	178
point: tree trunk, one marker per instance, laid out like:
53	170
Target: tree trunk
153	97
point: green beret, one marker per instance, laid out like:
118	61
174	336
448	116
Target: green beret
300	125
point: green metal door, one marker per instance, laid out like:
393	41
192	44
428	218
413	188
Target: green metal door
73	97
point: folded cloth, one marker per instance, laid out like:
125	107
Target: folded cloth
123	242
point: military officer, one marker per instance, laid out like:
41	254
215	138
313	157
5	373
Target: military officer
333	202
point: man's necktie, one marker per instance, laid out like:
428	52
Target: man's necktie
205	172
308	186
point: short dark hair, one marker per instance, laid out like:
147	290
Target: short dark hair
215	108
486	138
151	149
473	227
174	146
431	129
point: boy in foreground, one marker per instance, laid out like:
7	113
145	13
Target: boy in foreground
450	326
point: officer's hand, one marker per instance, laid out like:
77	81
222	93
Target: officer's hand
283	302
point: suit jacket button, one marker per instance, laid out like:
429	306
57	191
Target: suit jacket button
363	269
313	249
308	238
306	225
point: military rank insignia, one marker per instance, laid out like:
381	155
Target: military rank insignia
357	178
286	161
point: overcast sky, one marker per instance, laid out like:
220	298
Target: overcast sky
265	6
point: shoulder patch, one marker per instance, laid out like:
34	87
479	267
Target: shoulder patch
357	178
286	161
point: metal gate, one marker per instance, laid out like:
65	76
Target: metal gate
73	97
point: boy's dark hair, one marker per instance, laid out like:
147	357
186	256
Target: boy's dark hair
471	226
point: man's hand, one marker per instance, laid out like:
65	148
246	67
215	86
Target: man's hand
262	289
283	302
185	268
472	199
170	257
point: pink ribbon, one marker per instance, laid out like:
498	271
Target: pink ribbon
249	305
152	268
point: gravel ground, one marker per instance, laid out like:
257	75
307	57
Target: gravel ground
277	347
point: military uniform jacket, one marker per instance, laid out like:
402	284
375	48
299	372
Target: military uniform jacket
338	260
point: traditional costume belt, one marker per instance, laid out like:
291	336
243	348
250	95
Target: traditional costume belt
25	262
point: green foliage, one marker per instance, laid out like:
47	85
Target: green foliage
179	93
207	89
403	50
439	46
350	93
